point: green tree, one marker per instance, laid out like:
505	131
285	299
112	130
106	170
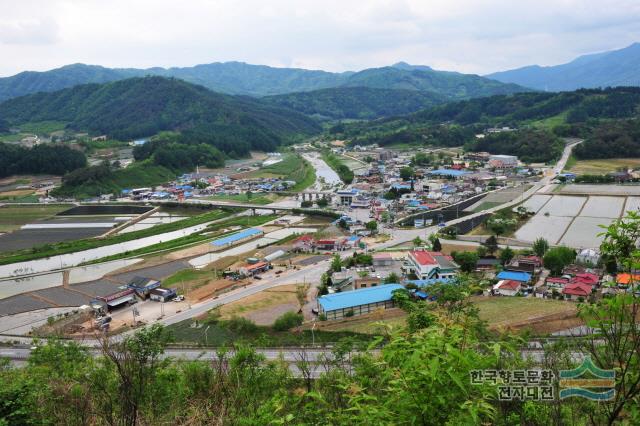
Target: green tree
372	226
506	254
491	244
436	245
467	260
481	250
406	173
540	246
287	321
336	263
417	242
557	258
322	202
392	278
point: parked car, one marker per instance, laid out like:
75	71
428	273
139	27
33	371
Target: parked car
178	298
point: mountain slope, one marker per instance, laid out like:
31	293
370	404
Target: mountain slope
566	114
356	102
140	107
259	80
449	84
607	69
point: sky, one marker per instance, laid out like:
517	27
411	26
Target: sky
471	36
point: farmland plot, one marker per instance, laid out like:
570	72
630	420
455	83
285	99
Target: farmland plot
536	202
583	232
563	205
606	207
550	228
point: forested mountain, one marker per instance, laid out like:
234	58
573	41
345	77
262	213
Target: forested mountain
450	84
607	69
620	139
259	80
29	82
571	114
41	159
357	102
140	107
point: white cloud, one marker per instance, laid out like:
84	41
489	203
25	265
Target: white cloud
477	36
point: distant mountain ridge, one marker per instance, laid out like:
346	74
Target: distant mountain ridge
239	78
606	69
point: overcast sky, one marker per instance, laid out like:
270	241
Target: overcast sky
474	36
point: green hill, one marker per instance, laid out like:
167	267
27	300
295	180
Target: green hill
141	107
450	84
356	102
258	80
586	113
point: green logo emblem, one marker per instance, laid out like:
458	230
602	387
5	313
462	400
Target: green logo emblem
588	381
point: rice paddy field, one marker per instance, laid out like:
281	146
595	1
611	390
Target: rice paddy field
574	221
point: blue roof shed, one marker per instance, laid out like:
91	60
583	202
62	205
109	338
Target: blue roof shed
363	296
230	239
524	277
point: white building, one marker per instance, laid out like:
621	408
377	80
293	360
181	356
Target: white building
589	257
428	264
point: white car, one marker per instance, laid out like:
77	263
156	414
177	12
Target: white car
178	298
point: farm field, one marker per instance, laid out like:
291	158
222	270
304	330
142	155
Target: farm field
598	167
550	228
502	311
536	202
605	207
583	232
13	217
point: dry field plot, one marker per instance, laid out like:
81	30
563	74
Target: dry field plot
597	167
504	311
265	307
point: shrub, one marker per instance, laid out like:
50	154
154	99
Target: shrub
287	321
322	317
349	313
240	325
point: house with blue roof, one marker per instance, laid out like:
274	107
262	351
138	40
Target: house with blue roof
237	237
448	173
359	302
523	277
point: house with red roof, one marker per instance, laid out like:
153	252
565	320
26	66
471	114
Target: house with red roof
305	244
507	287
574	291
430	264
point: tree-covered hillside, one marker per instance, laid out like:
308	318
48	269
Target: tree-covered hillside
258	80
450	84
141	107
41	159
620	139
357	102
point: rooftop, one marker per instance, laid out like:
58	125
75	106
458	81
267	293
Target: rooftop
236	237
364	296
515	276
